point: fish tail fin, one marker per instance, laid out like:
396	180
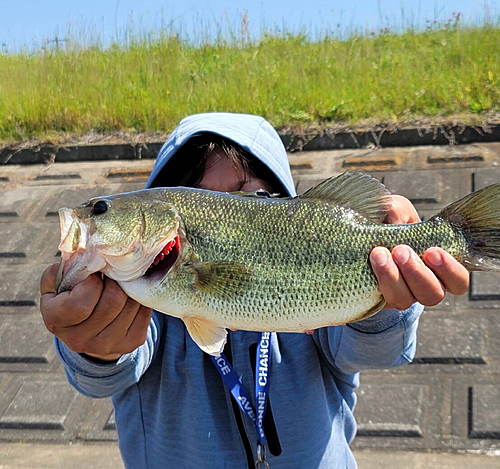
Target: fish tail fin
478	216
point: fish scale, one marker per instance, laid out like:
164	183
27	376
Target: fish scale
299	275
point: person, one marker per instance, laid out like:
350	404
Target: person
171	406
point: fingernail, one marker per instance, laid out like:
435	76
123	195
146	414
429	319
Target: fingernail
380	257
401	255
434	258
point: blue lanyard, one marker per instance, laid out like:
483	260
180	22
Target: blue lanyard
235	385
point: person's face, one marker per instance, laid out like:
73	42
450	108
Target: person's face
221	175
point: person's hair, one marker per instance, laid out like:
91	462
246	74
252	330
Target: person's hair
187	166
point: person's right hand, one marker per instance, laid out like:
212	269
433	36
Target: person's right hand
96	318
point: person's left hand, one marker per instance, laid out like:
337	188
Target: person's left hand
404	278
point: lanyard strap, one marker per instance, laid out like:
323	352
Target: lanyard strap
235	385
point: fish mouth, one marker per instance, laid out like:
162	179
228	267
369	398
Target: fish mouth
165	259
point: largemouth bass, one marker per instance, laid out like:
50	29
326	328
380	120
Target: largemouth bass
252	262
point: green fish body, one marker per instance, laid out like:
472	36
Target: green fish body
260	263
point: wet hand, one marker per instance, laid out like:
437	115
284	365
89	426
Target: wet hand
404	278
96	318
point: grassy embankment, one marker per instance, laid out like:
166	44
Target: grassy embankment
150	85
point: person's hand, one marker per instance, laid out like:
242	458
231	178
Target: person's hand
404	278
96	318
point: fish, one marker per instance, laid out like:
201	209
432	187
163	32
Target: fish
256	262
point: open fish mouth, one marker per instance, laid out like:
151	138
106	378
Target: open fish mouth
165	259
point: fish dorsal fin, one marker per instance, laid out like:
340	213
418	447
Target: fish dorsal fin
357	191
222	279
259	193
210	337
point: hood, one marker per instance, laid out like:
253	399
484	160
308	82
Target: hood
253	133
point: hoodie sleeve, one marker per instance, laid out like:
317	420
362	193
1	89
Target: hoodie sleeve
105	379
385	340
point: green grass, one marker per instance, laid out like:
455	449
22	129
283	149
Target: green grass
149	85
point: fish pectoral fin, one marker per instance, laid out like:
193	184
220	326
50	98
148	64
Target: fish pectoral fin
210	337
220	278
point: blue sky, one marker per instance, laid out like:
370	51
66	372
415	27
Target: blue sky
30	22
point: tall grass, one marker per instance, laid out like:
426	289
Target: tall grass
150	83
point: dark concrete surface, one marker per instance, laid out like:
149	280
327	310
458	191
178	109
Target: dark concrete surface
447	402
313	138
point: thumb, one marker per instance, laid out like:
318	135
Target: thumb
48	280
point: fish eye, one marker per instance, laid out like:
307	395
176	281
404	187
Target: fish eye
99	207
